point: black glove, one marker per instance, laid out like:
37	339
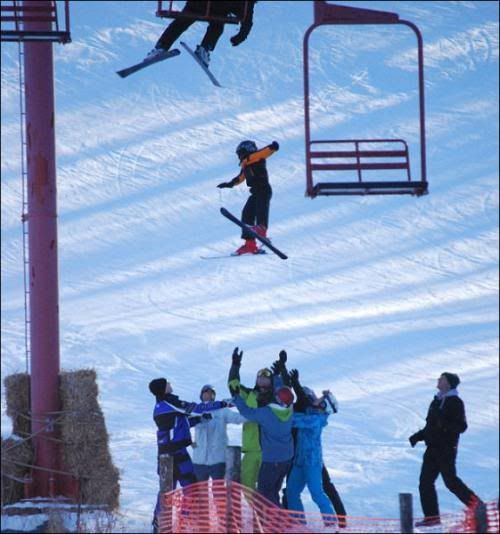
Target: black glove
237	357
276	367
275	145
413	440
224	404
223	185
283	357
206	416
294	376
237	39
190	406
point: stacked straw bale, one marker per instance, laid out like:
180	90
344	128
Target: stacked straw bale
15	449
86	441
17	393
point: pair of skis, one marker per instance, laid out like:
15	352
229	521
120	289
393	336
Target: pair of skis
166	55
255	235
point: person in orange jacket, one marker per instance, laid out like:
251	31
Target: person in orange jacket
256	210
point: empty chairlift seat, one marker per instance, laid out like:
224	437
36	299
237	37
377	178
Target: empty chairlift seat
360	166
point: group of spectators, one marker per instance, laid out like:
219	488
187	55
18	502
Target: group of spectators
281	439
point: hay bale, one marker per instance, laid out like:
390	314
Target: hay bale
14	450
86	441
17	394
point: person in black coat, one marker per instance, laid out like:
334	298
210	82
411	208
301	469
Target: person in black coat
444	423
216	9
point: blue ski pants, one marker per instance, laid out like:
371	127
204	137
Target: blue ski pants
310	475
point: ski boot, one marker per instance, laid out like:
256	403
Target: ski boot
250	247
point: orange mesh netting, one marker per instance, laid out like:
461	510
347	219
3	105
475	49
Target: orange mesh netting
225	506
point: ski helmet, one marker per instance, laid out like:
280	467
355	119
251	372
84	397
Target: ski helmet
310	394
331	404
206	387
245	148
284	396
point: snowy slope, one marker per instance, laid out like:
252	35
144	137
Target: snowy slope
379	295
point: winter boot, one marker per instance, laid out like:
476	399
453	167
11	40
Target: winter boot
430	521
250	247
260	230
203	55
155	53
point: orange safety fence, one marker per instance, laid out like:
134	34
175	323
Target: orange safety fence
226	506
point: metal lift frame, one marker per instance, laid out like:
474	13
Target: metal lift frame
18	13
327	14
171	12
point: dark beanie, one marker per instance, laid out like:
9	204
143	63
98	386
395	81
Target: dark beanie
452	379
157	386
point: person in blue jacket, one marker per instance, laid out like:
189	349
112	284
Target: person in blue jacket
308	459
310	417
173	418
307	401
275	427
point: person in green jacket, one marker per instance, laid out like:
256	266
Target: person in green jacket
257	397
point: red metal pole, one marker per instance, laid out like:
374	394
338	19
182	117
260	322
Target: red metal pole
42	213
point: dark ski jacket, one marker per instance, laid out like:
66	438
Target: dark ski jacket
253	169
445	421
174	417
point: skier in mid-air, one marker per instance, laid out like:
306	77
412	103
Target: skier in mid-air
256	210
240	9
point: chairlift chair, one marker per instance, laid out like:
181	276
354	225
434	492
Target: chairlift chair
169	9
358	155
15	14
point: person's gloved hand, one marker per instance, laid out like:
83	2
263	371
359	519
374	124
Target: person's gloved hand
275	145
207	416
189	407
237	357
413	439
276	367
294	375
228	403
224	185
283	357
237	39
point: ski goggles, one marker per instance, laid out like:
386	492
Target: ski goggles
265	372
331	404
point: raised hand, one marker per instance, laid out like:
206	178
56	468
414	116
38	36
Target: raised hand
237	357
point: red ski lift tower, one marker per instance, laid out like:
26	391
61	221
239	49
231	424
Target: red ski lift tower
169	9
333	156
34	24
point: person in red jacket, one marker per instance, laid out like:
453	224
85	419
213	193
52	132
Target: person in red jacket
256	210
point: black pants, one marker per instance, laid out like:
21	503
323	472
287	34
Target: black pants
179	25
440	461
256	209
331	491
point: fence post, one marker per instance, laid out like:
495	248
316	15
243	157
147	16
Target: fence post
406	512
481	517
233	468
233	463
166	473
